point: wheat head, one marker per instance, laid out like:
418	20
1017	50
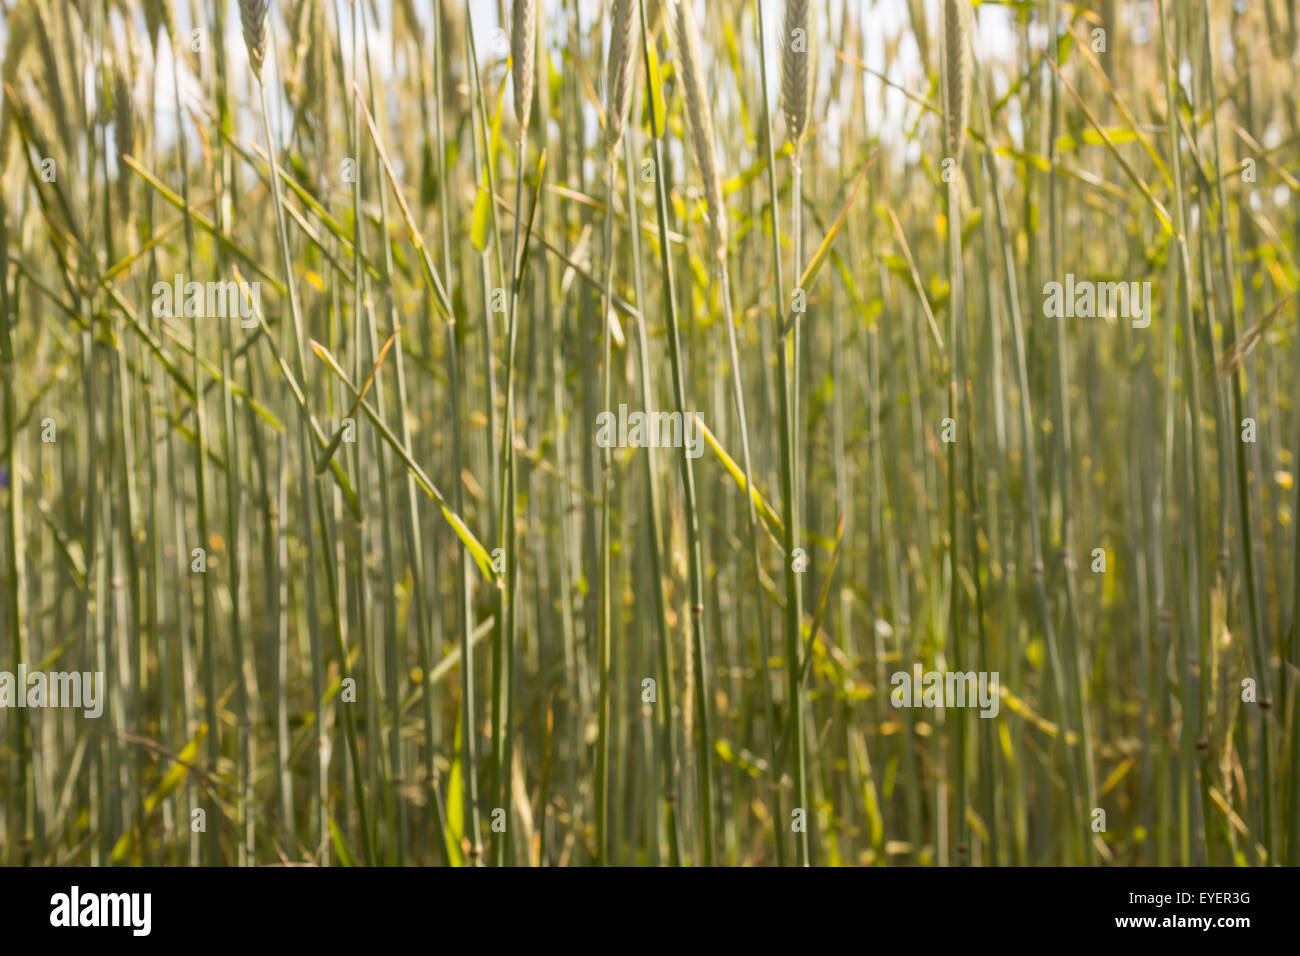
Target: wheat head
124	130
618	80
797	68
699	118
523	43
957	75
253	16
158	13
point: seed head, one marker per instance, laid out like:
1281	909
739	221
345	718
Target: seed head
699	118
797	68
253	16
158	13
654	12
523	42
618	82
957	74
123	130
123	114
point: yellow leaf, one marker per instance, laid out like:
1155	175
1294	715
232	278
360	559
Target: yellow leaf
178	772
656	90
481	219
729	463
172	780
455	830
1117	775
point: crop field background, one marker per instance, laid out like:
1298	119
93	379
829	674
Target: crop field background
657	432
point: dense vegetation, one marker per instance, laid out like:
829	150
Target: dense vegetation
371	577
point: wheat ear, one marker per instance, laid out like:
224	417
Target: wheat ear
957	74
700	119
124	129
158	13
618	79
253	16
523	42
797	69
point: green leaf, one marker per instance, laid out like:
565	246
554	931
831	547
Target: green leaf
823	250
427	486
897	265
476	549
327	455
1038	161
340	844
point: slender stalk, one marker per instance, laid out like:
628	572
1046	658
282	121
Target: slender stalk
606	582
246	832
308	493
1064	451
1259	647
1028	459
18	814
695	560
667	738
205	632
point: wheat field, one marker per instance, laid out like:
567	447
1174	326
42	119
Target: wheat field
649	432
